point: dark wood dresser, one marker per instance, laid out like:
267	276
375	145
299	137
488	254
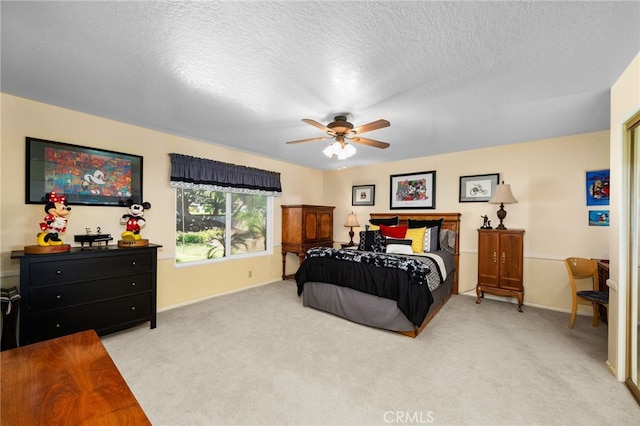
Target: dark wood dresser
303	227
106	289
500	263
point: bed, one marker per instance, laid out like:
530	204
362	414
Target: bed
391	291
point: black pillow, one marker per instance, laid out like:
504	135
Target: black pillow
387	221
427	224
371	241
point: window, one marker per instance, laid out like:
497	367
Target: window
212	224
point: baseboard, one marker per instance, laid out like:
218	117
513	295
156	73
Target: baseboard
513	301
202	299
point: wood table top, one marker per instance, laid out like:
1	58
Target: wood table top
68	380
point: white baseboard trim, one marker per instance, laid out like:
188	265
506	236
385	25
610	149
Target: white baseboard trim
191	302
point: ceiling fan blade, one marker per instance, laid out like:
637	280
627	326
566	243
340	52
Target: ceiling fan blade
318	125
374	125
370	142
310	139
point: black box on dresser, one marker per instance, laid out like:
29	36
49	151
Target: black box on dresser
106	289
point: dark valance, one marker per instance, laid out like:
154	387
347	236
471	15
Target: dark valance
200	173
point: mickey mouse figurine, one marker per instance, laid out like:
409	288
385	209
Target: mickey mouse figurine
55	222
133	220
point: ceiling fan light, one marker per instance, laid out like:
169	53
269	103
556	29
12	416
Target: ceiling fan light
346	152
328	151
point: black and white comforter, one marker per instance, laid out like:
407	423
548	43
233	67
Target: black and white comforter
407	279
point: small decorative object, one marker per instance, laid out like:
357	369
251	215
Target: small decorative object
502	196
352	221
478	188
486	223
363	195
53	224
413	191
134	222
92	238
598	188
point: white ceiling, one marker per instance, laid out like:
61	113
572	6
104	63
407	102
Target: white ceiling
449	76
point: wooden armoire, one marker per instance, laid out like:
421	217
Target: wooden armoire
500	263
303	227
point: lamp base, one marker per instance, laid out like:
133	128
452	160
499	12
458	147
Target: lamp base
502	213
351	243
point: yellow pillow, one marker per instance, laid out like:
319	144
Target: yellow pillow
374	227
417	237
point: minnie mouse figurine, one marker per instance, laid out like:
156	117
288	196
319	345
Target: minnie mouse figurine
55	222
133	220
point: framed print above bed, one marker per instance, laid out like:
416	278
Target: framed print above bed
413	191
478	188
363	195
87	176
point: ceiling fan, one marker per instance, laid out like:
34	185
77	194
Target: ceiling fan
342	132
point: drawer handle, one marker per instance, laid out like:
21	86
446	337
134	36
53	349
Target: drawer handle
133	308
58	272
133	284
58	326
133	263
58	296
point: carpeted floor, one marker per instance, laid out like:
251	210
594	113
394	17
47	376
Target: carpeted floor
258	357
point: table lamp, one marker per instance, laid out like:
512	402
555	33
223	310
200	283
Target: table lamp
502	196
352	221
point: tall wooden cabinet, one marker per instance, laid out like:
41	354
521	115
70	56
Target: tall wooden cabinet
500	261
303	227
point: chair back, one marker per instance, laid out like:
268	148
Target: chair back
581	268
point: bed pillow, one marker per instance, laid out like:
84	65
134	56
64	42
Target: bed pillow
428	224
371	241
417	236
388	221
399	246
393	231
431	239
373	227
448	240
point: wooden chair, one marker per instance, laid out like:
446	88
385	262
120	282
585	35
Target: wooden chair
581	268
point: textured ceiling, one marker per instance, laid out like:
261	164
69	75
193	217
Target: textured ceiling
449	76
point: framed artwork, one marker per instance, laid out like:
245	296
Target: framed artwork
413	190
87	176
598	217
478	188
598	188
363	195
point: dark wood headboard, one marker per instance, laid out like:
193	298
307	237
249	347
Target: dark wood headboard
451	221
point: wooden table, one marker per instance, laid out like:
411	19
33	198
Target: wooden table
70	380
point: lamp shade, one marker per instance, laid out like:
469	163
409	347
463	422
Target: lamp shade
352	220
503	195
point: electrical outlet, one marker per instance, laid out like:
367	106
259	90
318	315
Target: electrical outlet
250	274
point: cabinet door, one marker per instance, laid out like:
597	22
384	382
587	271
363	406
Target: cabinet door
511	261
488	266
325	225
310	226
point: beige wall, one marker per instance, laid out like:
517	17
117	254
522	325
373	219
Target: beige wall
176	285
625	101
547	178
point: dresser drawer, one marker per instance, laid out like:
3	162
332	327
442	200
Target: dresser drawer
60	296
105	316
66	271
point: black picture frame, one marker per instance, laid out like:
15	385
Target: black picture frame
363	195
478	188
86	176
413	191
